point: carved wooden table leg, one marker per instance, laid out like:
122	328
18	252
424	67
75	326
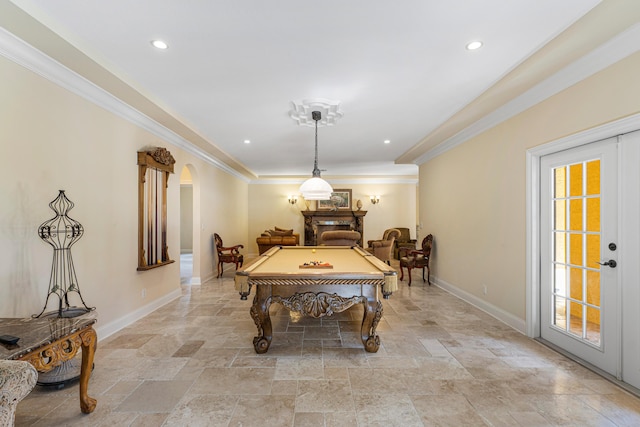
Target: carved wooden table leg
260	314
45	358
372	315
89	341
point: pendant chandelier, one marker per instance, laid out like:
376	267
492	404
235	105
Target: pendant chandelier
316	188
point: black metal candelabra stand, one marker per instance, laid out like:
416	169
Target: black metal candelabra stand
61	232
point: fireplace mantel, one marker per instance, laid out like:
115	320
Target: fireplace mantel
316	222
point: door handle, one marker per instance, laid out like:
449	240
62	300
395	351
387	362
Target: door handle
611	263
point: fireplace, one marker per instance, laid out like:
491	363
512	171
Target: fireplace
317	222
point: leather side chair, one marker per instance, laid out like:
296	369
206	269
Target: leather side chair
339	238
404	241
383	249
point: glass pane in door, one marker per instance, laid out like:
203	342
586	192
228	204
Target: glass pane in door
576	237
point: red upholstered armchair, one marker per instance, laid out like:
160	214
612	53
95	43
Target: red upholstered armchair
229	254
410	259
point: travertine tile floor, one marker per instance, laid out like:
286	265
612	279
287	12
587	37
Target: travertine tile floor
442	362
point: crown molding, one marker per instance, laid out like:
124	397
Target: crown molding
339	181
607	54
25	55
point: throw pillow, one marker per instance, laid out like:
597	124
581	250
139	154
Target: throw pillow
282	229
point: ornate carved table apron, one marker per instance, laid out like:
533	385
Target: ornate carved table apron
48	342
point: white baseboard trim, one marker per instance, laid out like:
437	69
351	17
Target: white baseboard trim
111	328
195	281
505	317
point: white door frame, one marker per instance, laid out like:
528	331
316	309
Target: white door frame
603	156
609	130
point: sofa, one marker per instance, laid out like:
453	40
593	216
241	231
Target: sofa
277	237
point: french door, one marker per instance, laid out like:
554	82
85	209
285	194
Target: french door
579	305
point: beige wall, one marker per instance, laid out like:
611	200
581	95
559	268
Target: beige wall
224	208
268	208
51	139
472	198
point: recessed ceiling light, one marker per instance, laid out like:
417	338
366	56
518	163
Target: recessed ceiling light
246	141
474	45
159	44
387	141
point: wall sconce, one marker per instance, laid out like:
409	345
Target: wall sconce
375	199
293	199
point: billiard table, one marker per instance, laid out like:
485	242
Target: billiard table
342	277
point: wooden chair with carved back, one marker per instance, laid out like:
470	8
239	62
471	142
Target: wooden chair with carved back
229	254
411	259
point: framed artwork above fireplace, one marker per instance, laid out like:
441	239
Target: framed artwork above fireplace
340	200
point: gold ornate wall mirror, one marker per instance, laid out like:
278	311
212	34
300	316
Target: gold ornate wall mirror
154	166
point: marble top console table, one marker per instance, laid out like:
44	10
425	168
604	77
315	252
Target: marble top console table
47	342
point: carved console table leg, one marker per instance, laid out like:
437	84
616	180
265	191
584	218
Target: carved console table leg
89	341
47	357
372	315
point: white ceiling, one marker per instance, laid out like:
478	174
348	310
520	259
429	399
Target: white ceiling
400	69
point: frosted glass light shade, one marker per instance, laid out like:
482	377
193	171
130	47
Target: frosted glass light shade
316	188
